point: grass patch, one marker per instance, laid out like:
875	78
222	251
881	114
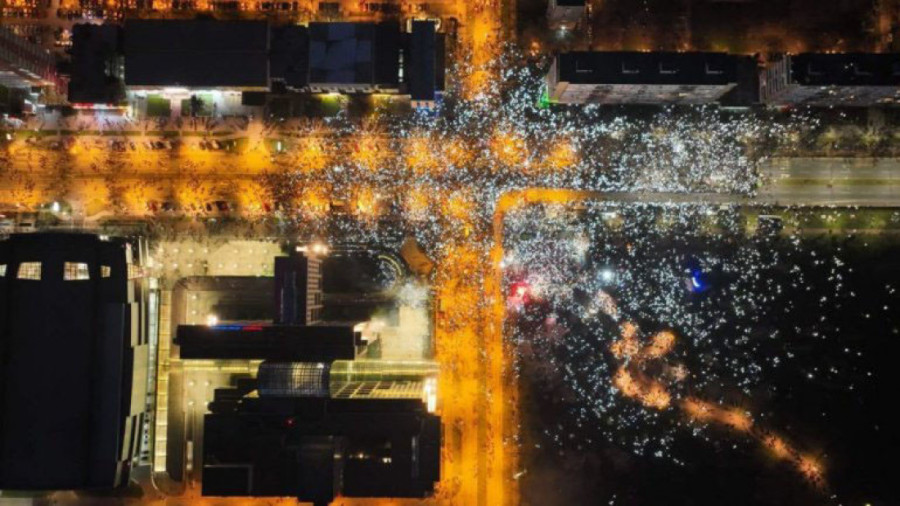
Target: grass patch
158	107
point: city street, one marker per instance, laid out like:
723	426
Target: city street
831	181
448	183
478	395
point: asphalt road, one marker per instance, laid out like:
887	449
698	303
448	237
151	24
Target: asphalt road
831	181
786	181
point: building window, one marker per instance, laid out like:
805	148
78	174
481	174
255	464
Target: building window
29	270
626	69
667	68
75	271
2	270
134	271
713	71
105	271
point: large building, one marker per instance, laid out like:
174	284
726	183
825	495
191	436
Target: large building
23	64
183	67
73	362
205	54
354	57
309	411
825	80
298	443
205	67
97	67
657	78
424	72
298	290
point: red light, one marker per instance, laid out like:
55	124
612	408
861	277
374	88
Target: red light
520	290
252	328
290	422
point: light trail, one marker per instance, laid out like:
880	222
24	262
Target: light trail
632	382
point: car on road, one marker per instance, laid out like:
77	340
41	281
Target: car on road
219	208
163	207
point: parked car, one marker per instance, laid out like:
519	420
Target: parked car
219	208
166	207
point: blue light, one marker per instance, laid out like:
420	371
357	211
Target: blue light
227	327
697	282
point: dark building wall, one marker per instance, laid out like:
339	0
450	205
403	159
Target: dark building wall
298	290
70	401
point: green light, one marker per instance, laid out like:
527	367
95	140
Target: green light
544	101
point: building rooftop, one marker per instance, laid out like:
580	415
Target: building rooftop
289	55
72	387
197	53
321	342
847	69
425	61
354	53
23	64
95	53
318	448
622	67
399	389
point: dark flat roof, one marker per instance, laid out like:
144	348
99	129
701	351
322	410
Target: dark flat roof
196	53
422	74
289	57
66	361
354	53
847	69
313	343
93	47
624	67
